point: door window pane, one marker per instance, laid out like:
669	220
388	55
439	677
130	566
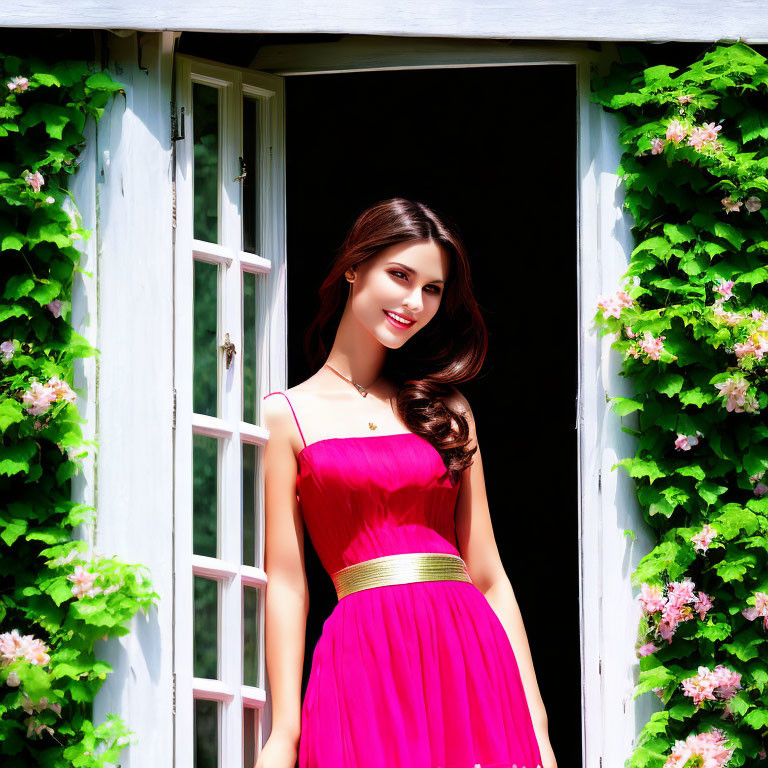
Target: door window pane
206	631
251	597
250	722
205	116
251	282
204	495
206	734
251	155
250	460
205	352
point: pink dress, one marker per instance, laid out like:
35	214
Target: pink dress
418	675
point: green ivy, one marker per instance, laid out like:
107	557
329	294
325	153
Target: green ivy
57	600
690	323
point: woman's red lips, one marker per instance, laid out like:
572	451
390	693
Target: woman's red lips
395	323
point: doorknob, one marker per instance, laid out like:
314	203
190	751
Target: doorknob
229	350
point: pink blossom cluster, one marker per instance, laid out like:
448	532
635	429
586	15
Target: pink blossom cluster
715	684
725	288
704	135
737	398
704	538
55	307
730	318
35	180
752	204
678	605
706	749
7	350
17	84
84	580
648	345
760	489
14	646
760	608
38	398
756	345
686	442
612	305
34	726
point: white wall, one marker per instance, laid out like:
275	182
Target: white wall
684	20
125	310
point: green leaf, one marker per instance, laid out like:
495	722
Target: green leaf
624	405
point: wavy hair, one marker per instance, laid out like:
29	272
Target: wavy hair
449	350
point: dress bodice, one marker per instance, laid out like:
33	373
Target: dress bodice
364	497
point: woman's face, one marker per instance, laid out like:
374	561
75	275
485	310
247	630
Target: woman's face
406	280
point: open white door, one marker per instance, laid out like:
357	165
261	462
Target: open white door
229	341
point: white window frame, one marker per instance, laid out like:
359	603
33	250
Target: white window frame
228	428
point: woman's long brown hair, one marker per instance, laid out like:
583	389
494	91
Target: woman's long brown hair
449	350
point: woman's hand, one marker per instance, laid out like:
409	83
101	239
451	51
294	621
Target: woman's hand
279	751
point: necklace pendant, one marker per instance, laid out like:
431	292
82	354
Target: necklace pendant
371	425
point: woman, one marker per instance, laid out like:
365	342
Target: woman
424	661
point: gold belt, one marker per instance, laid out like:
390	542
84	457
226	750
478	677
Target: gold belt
399	569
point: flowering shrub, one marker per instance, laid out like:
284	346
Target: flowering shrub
57	601
691	324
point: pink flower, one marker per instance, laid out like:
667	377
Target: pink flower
731	205
38	398
703	538
83	583
698	138
35	180
719	683
652	347
760	490
14	646
55	307
760	608
705	749
647	649
17	84
651	598
752	204
747	348
686	442
676	131
686	99
735	392
657	146
7	350
612	305
710	131
725	288
61	389
703	604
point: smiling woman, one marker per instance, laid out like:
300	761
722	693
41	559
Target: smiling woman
424	660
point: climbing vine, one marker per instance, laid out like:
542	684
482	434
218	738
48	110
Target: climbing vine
691	323
58	601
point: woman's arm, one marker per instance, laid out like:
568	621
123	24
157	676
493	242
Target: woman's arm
477	544
287	594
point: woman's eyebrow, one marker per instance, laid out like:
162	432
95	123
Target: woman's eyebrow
412	271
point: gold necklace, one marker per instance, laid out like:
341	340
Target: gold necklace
359	387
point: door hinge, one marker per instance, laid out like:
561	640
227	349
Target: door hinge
176	123
599	666
174	408
599	480
174	693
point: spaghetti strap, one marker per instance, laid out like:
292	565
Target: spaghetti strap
292	411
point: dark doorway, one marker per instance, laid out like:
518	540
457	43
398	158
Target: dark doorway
494	149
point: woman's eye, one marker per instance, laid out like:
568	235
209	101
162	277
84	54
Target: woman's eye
433	288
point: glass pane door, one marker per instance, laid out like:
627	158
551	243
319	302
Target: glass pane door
230	351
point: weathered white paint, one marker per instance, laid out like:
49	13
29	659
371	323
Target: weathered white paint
136	284
684	20
609	505
125	309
